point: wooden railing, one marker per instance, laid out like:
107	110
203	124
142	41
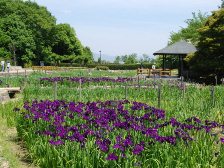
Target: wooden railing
154	72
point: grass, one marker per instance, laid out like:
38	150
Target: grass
195	101
12	152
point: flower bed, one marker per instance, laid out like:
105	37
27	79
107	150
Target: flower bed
86	79
109	133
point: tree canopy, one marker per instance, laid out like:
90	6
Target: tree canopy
222	4
29	34
190	33
133	59
209	58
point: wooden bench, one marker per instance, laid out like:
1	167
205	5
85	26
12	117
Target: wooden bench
152	72
143	71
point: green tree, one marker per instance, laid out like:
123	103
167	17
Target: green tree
87	55
190	33
117	60
17	39
65	43
210	55
30	34
222	4
38	20
129	59
145	58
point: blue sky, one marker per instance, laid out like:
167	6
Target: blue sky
118	27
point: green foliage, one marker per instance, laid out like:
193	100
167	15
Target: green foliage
189	57
222	4
132	59
209	58
117	60
102	67
87	56
65	42
123	66
17	38
30	34
171	62
129	59
190	33
145	59
204	151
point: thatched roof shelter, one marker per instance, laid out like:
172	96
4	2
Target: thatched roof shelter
180	48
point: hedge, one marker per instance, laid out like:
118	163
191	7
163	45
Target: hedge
122	66
110	66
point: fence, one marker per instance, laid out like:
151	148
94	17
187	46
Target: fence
154	72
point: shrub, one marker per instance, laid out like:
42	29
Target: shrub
110	66
122	66
102	68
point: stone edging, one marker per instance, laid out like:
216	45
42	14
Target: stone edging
4	96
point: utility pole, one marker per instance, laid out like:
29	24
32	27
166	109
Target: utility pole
100	57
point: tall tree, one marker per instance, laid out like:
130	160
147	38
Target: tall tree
64	41
117	60
222	4
129	59
210	55
17	39
146	58
190	33
87	56
30	34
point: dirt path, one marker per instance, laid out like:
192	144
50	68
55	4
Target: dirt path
13	151
12	154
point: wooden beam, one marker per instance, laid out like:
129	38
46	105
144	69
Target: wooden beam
163	62
180	69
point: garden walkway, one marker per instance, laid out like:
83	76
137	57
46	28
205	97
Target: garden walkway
21	72
12	153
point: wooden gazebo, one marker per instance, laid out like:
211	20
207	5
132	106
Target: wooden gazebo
180	49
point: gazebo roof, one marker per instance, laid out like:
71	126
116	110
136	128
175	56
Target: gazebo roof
179	48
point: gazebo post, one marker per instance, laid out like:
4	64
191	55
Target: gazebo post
164	62
178	49
180	65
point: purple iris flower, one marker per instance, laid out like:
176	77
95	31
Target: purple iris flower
112	156
119	146
152	132
76	121
128	141
182	134
56	142
222	140
138	149
103	144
